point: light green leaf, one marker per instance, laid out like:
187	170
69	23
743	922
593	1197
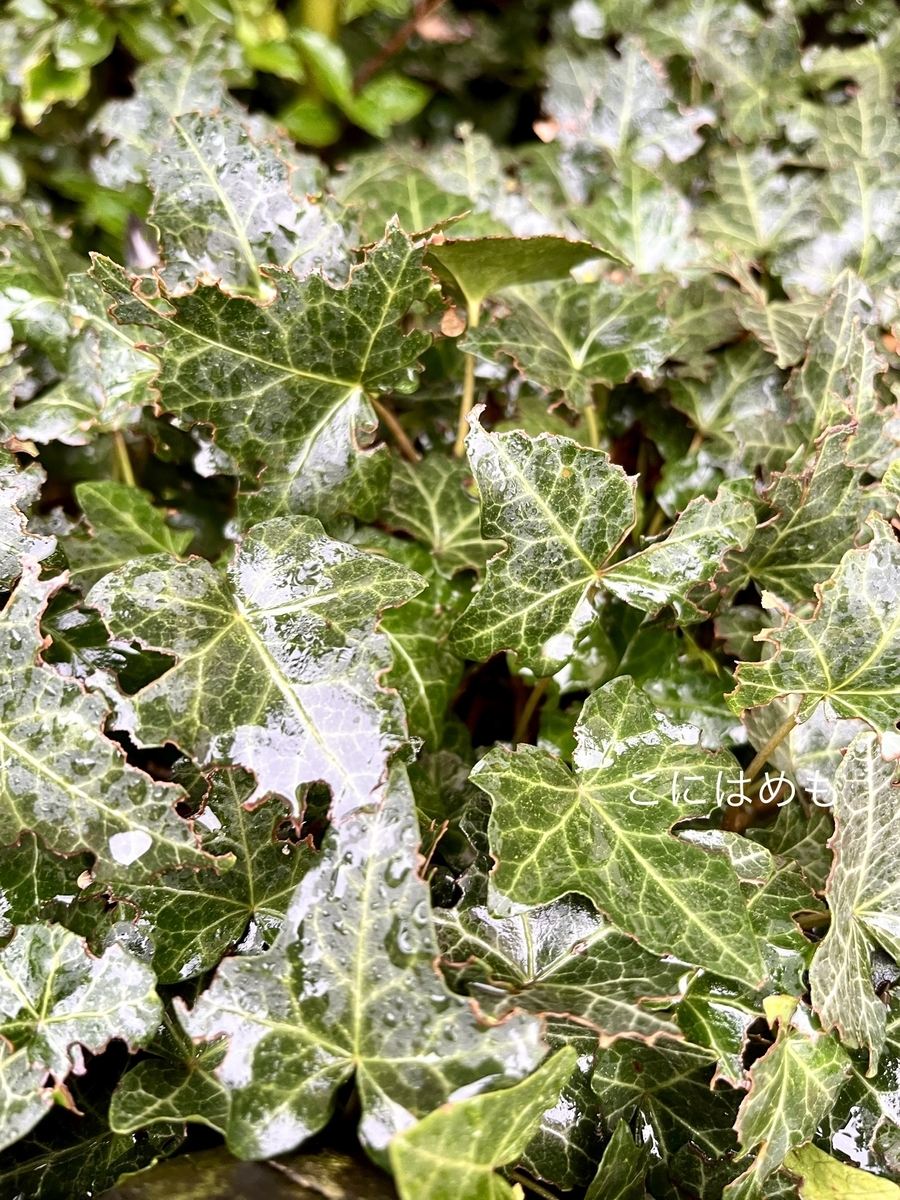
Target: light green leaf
847	652
781	326
824	1178
55	997
479	267
60	776
604	831
863	894
453	1152
276	662
179	1085
359	933
286	383
620	1175
124	526
570	336
224	205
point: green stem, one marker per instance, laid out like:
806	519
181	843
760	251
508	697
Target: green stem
534	699
122	468
468	396
593	427
531	1186
772	744
407	449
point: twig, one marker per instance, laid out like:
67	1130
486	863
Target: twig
534	699
396	43
815	920
407	449
593	428
772	744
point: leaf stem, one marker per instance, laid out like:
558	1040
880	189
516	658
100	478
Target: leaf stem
423	9
321	16
399	434
813	920
122	467
532	1186
468	396
534	699
772	744
593	428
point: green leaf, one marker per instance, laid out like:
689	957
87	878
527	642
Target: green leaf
781	326
124	526
718	1014
18	492
864	897
820	513
758	205
792	1087
563	510
824	1178
55	997
620	103
62	777
224	206
194	917
286	383
620	1175
359	932
429	500
178	1086
845	653
568	337
33	877
604	831
276	663
106	381
798	837
454	1151
479	267
679	568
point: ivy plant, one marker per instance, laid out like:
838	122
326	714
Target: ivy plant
450	612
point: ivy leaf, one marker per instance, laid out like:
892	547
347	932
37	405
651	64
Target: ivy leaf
792	1087
388	1018
224	206
454	1151
276	663
800	838
780	326
620	1175
53	997
193	917
864	898
124	525
673	570
429	500
18	492
825	1178
819	514
479	267
61	777
563	510
605	831
816	657
33	877
621	103
570	336
758	205
718	1014
285	383
106	379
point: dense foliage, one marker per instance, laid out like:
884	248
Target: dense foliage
451	626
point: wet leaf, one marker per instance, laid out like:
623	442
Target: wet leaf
620	1175
825	1178
454	1151
18	491
604	831
359	933
277	663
